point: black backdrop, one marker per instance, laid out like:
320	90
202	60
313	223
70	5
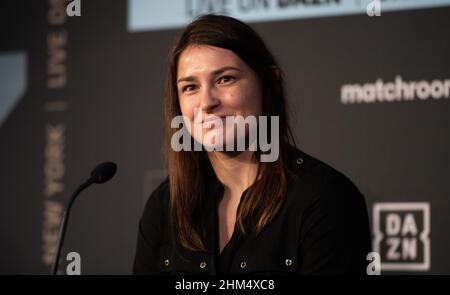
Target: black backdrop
92	91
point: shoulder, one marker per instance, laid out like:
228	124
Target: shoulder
313	180
157	203
332	216
307	167
161	192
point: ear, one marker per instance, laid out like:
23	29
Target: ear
275	70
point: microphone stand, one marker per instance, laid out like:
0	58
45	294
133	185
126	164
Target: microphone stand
65	219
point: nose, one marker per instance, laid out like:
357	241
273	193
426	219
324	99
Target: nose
209	99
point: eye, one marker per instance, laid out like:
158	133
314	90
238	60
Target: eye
225	79
188	88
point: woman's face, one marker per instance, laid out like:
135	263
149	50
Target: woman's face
216	82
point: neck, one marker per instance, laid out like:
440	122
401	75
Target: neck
236	171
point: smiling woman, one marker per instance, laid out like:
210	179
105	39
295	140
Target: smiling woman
230	212
215	81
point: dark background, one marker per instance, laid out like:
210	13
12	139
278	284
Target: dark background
394	152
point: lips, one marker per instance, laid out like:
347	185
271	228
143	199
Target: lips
210	120
213	118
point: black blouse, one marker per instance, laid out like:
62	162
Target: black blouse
322	228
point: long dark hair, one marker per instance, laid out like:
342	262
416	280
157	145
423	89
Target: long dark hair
188	169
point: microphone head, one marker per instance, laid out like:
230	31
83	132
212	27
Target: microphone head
104	172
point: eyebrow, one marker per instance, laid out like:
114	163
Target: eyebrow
215	73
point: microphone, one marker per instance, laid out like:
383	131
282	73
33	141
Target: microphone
101	174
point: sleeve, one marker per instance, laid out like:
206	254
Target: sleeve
335	235
149	240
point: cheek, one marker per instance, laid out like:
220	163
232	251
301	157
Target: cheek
244	100
235	98
187	108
